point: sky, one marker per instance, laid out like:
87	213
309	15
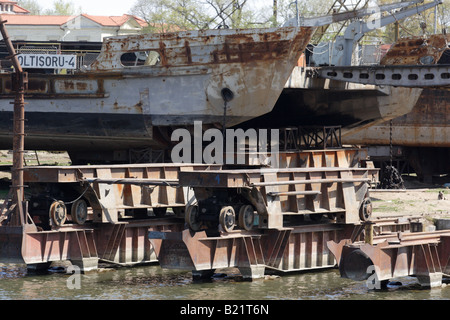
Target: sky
97	7
113	7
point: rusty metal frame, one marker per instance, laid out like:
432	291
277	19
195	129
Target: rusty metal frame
424	255
275	193
113	189
124	244
318	137
299	248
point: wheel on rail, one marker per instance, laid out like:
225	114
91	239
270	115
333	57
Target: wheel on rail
246	217
192	218
79	211
58	213
227	218
365	211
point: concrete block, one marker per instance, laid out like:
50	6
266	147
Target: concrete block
442	224
432	280
253	271
86	264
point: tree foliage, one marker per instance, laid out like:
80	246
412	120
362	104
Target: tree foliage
421	24
63	8
60	7
165	15
174	15
31	5
170	15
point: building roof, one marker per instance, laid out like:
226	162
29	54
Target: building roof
107	21
114	21
16	8
13	19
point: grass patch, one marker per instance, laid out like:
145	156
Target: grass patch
392	205
384	208
437	190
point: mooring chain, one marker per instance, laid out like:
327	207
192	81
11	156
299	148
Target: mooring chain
392	179
390	142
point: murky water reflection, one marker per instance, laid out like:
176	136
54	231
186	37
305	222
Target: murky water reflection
153	283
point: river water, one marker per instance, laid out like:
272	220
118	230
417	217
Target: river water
153	283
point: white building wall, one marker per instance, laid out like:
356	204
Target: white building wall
78	29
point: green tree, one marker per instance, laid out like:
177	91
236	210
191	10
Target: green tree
63	8
166	15
421	24
31	5
169	15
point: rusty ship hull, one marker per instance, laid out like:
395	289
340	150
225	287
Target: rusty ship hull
421	137
323	102
355	107
117	104
114	106
427	125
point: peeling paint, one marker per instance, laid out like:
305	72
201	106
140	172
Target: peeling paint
184	86
413	50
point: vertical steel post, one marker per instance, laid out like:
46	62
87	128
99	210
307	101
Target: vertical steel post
368	232
18	85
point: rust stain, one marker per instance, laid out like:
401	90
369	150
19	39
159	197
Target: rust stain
162	52
69	85
203	47
82	86
188	52
432	109
248	52
36	85
409	51
139	107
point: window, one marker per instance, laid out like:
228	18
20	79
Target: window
140	58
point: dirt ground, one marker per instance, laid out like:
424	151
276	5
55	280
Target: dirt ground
418	199
36	158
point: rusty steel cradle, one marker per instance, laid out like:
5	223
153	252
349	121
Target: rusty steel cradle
114	223
254	253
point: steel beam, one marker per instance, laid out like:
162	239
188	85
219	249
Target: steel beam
399	76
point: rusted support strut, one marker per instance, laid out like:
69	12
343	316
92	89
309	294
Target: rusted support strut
299	248
19	82
424	255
